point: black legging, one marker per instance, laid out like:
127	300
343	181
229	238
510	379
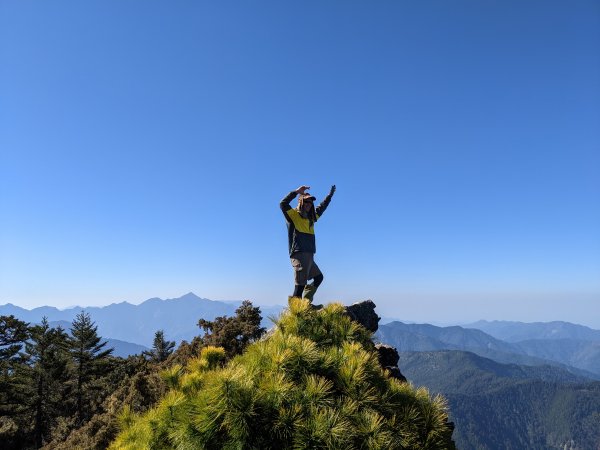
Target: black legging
300	287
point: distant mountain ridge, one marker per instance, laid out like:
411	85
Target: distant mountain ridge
568	343
178	317
124	349
519	331
442	337
579	357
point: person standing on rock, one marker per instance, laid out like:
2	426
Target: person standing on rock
301	239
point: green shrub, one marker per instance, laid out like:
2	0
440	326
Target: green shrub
315	382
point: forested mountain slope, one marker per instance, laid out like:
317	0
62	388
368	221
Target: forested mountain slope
500	406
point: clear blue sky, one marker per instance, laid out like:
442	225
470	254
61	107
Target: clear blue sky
144	148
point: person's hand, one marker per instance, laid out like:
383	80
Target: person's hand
301	189
332	190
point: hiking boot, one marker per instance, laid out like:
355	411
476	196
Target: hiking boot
309	292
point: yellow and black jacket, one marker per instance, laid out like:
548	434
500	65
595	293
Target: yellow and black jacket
301	235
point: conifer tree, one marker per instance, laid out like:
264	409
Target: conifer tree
90	360
161	348
13	335
234	333
44	374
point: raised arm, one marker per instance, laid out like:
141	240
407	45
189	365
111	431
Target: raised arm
325	203
285	203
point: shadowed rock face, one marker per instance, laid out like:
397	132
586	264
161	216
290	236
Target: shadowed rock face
395	373
388	358
364	313
388	355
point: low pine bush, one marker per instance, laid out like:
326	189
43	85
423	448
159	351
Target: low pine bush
313	383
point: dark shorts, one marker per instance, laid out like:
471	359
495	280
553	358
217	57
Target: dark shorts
305	268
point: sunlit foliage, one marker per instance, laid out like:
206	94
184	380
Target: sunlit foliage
314	382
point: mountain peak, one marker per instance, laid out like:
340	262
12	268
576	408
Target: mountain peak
123	303
12	307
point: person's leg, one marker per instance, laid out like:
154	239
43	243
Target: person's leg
318	280
317	276
298	289
301	265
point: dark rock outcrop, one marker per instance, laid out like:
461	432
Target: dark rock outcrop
395	373
388	358
364	313
388	355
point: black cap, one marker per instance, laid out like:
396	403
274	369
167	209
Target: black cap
304	197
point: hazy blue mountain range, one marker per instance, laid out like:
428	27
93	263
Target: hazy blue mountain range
520	331
581	354
420	337
571	344
507	406
124	349
137	324
579	357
